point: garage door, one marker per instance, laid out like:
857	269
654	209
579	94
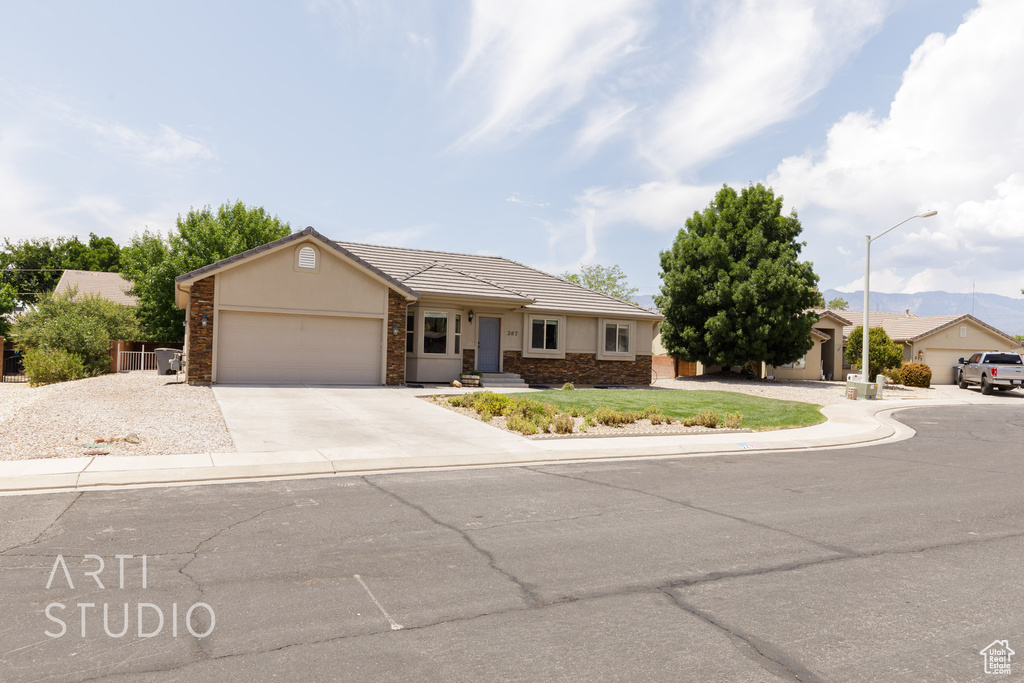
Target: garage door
941	361
277	349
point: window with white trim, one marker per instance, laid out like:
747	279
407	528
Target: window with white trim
616	337
458	334
544	334
435	332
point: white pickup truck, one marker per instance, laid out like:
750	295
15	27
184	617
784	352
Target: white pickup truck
992	370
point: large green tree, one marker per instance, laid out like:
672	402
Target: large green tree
203	236
733	287
610	281
8	301
34	266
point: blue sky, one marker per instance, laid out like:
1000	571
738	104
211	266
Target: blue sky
553	132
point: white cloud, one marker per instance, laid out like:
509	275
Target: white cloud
514	198
534	59
165	146
760	63
602	123
953	140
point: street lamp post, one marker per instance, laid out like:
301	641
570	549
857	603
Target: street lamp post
868	239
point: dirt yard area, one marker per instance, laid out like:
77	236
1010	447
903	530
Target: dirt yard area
135	413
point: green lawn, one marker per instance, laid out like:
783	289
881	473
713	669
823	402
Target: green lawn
758	413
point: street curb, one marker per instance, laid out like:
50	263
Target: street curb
848	425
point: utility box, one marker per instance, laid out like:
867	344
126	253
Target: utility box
860	391
163	360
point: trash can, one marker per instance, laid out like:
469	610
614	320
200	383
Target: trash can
163	360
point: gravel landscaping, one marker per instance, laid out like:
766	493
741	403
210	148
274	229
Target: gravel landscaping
135	413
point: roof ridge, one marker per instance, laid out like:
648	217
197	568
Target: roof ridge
424	251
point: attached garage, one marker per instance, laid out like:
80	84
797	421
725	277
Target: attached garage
942	361
285	348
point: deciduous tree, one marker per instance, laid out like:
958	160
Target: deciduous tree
610	281
201	237
734	289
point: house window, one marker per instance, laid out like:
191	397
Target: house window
616	338
307	257
963	330
458	333
435	332
410	329
544	335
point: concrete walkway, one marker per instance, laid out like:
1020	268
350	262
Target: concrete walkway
348	436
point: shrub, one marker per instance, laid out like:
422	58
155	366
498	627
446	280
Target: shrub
705	418
568	386
520	424
47	366
541	414
732	420
79	326
480	401
653	414
613	418
883	353
486	416
893	375
916	375
563	424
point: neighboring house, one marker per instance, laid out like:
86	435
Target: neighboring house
107	285
305	309
825	359
938	341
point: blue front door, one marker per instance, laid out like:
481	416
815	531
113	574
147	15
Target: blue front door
489	345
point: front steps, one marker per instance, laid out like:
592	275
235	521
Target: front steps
502	380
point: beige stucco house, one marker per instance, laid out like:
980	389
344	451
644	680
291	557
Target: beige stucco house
306	309
938	341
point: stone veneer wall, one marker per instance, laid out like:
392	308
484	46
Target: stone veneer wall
468	360
397	311
579	368
199	366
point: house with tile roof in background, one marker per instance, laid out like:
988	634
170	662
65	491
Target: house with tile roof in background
110	286
306	309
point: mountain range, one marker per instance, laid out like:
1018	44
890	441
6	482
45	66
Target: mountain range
1001	312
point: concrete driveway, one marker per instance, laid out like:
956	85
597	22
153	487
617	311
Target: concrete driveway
370	420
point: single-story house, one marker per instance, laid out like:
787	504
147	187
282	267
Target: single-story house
306	309
825	359
107	285
938	341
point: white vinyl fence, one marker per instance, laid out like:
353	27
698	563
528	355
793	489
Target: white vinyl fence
136	360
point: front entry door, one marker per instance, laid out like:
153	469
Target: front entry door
489	346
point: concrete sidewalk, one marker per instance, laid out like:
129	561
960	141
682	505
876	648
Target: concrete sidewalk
849	424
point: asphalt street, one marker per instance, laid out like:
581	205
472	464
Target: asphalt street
894	562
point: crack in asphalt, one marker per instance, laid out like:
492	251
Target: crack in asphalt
529	594
49	526
826	546
770	658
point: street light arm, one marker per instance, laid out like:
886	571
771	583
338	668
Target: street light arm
926	214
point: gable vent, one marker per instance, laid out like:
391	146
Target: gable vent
307	257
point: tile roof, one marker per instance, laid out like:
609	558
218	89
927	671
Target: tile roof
110	286
908	327
493	275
